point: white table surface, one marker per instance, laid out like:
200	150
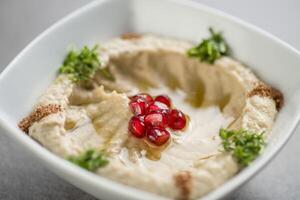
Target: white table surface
23	178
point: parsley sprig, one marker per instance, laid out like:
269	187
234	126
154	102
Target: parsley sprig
82	65
244	145
90	160
210	49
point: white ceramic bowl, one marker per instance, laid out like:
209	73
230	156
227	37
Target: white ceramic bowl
35	67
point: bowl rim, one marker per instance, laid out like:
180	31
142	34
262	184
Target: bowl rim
50	159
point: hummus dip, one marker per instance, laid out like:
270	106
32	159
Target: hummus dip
225	94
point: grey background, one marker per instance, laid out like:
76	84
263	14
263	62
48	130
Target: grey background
22	20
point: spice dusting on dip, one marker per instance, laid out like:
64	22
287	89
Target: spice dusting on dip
165	114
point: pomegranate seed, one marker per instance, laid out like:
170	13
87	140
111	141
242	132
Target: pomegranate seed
142	97
165	112
155	106
151	117
164	99
156	119
138	107
141	117
177	120
137	127
157	135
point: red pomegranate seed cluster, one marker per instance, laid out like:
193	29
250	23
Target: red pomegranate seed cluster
152	117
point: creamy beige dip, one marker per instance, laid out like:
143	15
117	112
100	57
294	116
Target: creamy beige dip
212	96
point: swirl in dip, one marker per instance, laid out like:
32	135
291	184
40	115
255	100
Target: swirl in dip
70	119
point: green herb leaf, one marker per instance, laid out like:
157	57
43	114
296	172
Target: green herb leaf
90	160
81	66
210	49
244	145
